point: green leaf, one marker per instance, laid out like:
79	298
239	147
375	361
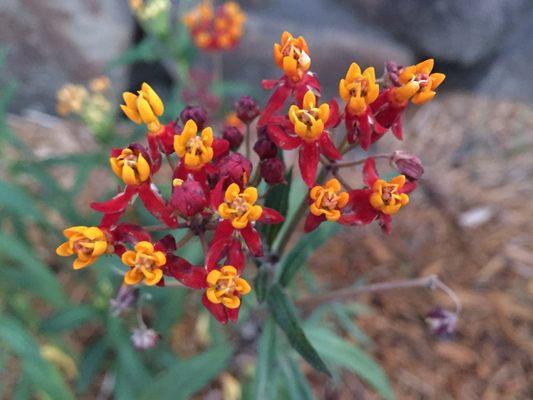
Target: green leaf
15	200
344	354
261	283
187	377
299	254
42	375
91	362
297	383
265	358
284	314
68	319
277	198
34	274
146	50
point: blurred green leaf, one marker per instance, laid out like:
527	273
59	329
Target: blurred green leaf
187	377
35	368
36	275
146	50
15	200
338	351
91	362
265	358
261	283
69	318
284	314
297	383
299	254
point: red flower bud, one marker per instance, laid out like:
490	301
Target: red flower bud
272	170
165	137
408	165
233	135
196	113
188	197
235	168
265	148
246	109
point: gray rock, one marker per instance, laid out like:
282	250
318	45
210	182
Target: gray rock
458	31
511	74
51	42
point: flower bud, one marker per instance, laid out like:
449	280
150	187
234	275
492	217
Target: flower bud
265	148
441	322
407	164
125	299
392	72
196	113
246	109
233	135
236	168
188	197
262	132
272	170
144	338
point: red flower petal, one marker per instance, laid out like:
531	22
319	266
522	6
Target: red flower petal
233	314
224	231
155	204
364	129
312	222
328	148
109	220
370	174
217	250
308	162
236	255
269	84
253	240
334	115
275	103
220	148
217	195
397	127
130	233
166	244
153	152
358	211
190	275
217	310
282	139
271	216
408	187
117	203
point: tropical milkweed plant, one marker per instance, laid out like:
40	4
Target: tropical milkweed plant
214	211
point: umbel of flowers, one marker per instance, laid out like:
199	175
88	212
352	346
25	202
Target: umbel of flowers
214	186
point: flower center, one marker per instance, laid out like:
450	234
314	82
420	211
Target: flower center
226	285
330	200
144	262
290	50
422	79
359	87
83	246
389	193
240	206
194	146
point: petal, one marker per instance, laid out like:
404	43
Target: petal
424	97
213	277
132	114
250	195
353	72
144	247
79	264
229	270
308	162
328	148
153	99
309	100
343	90
253	240
100	247
231	301
232	192
130	99
133	277
436	79
333	184
69	232
128	258
155	278
128	175
270	216
282	139
242	286
426	66
406	91
207	136
217	310
145	111
64	250
275	103
160	258
370	175
143	168
312	222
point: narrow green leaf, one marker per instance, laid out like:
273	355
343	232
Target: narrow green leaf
68	319
265	358
37	277
91	362
299	254
344	354
15	200
260	283
284	314
187	377
297	383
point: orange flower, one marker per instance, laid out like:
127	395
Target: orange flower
130	166
213	29
418	83
292	55
309	121
240	208
143	107
195	150
226	287
88	243
358	89
328	200
387	197
145	263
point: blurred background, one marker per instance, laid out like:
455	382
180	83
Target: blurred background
470	222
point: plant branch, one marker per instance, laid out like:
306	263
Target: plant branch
430	282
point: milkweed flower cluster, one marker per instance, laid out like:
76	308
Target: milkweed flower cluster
218	28
216	194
